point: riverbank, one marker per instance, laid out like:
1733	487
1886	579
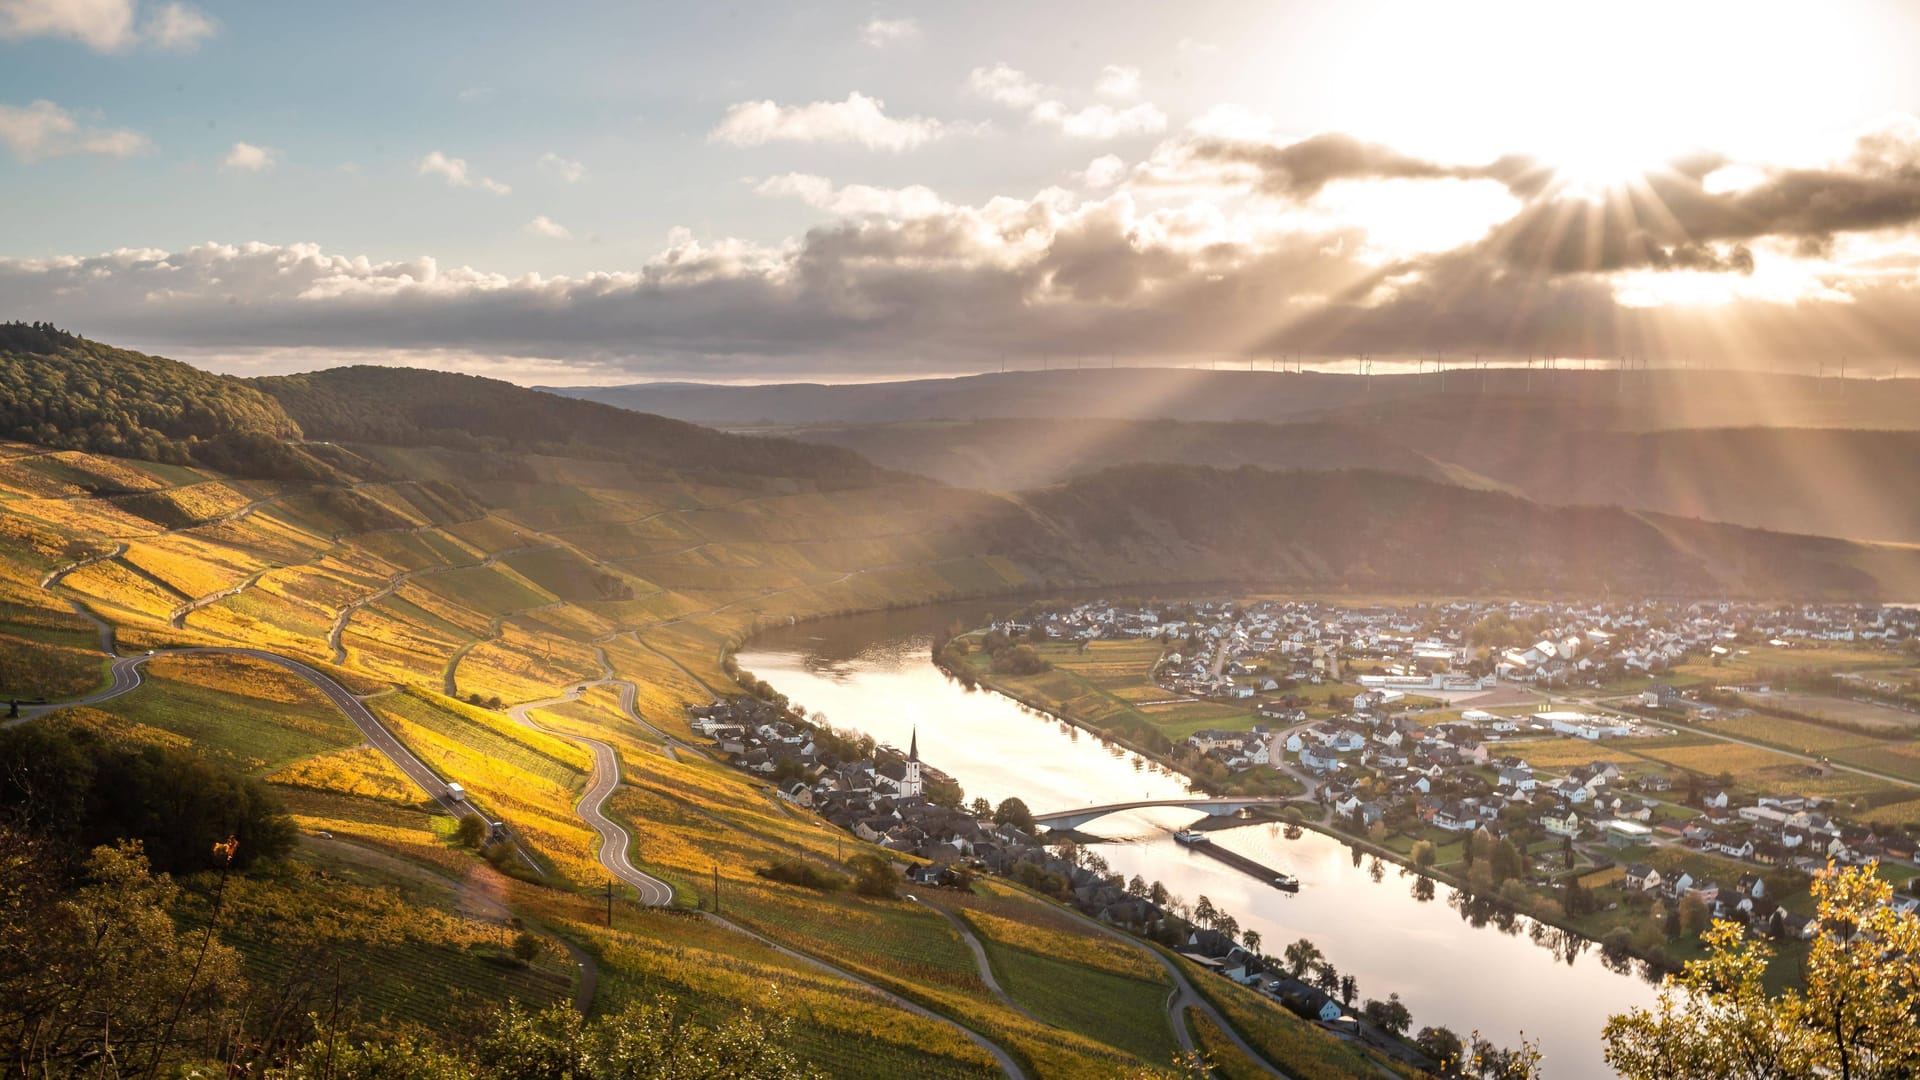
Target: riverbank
1542	906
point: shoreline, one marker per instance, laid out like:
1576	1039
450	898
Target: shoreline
1361	844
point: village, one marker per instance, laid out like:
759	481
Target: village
1426	760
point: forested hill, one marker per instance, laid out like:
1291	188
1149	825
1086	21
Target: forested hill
1375	532
409	407
62	391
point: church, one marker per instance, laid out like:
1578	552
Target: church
903	777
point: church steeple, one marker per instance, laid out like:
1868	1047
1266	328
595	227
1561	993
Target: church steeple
912	783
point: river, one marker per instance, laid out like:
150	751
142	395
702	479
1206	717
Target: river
1448	960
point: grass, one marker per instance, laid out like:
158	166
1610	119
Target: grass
1225	1059
250	713
1113	1009
1291	1044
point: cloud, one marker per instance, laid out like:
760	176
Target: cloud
854	199
566	169
454	170
1100	122
549	228
178	27
246	157
880	33
1118	81
45	130
1281	254
1102	172
1014	89
1685	217
106	26
1005	86
859	119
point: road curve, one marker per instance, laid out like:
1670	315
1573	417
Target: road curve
614	840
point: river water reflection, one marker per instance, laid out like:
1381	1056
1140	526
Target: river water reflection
1450	962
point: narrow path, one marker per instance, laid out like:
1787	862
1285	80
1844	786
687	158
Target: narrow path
1184	996
341	620
53	577
980	960
1005	1060
468	900
179	617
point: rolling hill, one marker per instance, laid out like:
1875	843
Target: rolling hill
465	546
1633	400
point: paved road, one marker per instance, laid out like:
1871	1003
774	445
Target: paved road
614	843
126	676
614	840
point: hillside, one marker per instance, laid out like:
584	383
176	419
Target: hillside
476	547
64	392
1012	455
1373	531
1861	485
1634	400
407	407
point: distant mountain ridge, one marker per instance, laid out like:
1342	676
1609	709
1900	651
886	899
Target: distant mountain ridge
1640	400
1862	485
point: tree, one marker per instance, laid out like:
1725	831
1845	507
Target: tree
1444	1047
1012	811
1349	989
1694	916
1424	854
1137	887
1252	941
1327	978
1390	1014
527	946
470	831
1158	895
1301	956
103	974
1203	912
1506	861
1853	1020
981	808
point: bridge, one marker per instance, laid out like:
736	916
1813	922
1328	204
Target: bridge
1221	807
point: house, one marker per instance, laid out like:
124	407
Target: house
1660	696
1518	778
1642	878
1561	821
1319	759
1714	800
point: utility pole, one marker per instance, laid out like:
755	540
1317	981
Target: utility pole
609	901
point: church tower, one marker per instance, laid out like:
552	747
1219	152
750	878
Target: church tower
911	783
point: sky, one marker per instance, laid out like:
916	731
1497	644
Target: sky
605	193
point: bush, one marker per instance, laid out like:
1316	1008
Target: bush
527	946
470	831
805	875
874	876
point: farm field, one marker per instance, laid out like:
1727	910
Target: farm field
1841	710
